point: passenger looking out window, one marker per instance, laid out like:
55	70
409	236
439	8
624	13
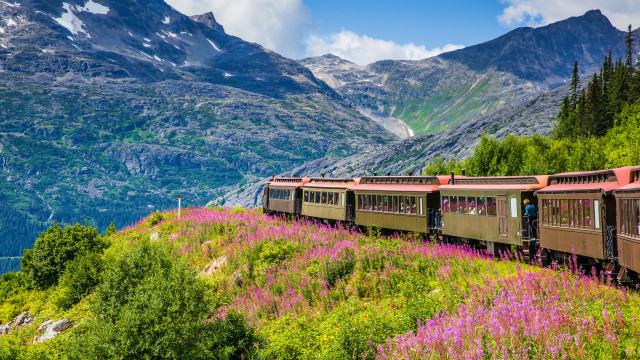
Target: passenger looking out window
413	205
471	205
445	204
408	204
482	206
454	205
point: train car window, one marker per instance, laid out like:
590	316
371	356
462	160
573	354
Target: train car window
369	203
385	206
317	197
331	198
395	204
453	206
462	204
596	213
587	213
324	197
564	212
514	207
306	196
413	204
407	205
482	206
359	202
636	216
471	205
379	202
491	206
580	213
445	204
421	210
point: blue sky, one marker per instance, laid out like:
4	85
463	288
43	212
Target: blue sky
429	23
364	31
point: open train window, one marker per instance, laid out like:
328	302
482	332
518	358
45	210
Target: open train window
395	204
385	206
482	206
306	196
471	205
454	204
462	205
413	204
324	198
564	212
445	204
317	197
491	206
331	198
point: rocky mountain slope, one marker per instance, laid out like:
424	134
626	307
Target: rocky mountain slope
110	108
442	92
412	154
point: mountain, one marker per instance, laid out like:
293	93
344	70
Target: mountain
111	108
412	154
442	92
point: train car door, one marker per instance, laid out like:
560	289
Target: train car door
501	208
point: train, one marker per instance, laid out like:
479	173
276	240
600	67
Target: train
591	216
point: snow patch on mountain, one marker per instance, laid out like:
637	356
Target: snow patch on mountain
214	45
166	20
70	21
94	8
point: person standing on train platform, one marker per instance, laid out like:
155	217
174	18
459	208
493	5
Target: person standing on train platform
532	215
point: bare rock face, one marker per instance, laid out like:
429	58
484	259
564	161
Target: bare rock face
209	20
214	266
53	330
155	237
23	319
44	326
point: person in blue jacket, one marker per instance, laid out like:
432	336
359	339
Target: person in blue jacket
532	215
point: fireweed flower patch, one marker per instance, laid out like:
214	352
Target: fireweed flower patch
319	291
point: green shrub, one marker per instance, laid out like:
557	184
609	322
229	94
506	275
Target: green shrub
11	284
55	248
150	306
81	276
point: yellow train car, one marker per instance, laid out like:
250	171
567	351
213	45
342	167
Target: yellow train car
404	203
331	199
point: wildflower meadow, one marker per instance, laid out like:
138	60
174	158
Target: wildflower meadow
325	292
284	288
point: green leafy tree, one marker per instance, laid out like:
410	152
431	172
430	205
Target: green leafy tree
149	305
44	264
80	277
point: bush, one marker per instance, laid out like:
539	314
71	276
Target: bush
54	248
81	276
149	305
11	284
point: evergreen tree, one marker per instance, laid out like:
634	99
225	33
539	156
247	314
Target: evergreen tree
575	83
628	41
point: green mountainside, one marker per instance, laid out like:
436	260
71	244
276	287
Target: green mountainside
105	150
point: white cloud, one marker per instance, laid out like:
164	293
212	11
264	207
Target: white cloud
621	13
278	25
364	50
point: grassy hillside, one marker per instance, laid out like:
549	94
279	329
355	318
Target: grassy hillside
272	288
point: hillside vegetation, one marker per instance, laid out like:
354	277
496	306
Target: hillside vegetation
233	283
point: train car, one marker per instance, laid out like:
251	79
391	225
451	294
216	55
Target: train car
488	209
329	198
628	227
405	203
578	216
283	195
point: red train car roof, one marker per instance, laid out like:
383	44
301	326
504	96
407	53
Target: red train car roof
288	182
498	183
588	181
401	183
635	181
332	183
